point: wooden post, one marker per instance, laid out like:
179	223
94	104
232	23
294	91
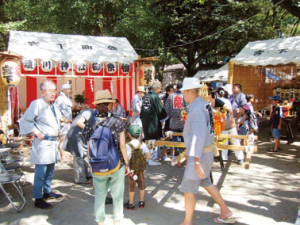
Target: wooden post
230	72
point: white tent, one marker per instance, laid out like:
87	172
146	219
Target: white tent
46	46
270	52
219	75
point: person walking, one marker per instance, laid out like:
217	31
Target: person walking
198	136
42	119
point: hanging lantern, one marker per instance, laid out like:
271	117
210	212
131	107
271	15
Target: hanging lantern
111	68
47	65
96	67
29	65
125	68
10	72
64	66
80	67
147	72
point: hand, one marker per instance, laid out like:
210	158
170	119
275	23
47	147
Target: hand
279	127
126	169
39	135
199	170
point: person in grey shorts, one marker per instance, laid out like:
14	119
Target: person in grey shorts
198	136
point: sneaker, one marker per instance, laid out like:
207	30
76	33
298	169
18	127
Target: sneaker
129	205
141	204
240	162
51	195
40	203
152	163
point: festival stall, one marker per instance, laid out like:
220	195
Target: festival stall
268	67
87	63
217	77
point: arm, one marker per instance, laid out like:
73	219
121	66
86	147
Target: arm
81	122
124	150
242	122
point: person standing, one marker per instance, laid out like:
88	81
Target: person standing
64	105
198	137
173	106
152	113
238	98
230	126
76	144
136	105
42	119
118	109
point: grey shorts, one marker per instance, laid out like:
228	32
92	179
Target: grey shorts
191	186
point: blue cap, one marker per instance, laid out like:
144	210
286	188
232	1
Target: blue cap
275	97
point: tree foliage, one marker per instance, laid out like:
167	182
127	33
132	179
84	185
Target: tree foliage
198	33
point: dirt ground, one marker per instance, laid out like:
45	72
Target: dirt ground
266	194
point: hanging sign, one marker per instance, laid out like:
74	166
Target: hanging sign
29	65
10	72
147	72
111	68
64	66
96	67
47	65
80	67
125	68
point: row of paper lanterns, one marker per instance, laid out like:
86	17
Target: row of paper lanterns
80	67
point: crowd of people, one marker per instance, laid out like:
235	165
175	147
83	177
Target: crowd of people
50	121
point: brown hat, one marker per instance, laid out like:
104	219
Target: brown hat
103	96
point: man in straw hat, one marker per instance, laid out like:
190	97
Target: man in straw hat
136	105
198	137
64	104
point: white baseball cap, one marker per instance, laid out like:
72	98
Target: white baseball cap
190	83
65	86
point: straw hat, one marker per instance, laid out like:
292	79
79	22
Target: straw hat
103	96
190	83
140	89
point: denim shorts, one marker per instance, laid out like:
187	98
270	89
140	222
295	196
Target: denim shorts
275	133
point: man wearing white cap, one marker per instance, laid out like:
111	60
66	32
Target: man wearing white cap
64	104
198	136
136	105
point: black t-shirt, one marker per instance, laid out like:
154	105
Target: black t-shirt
276	115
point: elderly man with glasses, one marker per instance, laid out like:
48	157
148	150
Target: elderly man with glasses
42	119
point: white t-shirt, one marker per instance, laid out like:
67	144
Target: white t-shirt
135	143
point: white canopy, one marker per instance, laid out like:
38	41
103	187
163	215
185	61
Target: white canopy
219	75
270	52
46	46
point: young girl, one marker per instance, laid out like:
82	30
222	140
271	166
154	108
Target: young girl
243	121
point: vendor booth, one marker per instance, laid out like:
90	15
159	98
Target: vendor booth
217	77
87	63
269	67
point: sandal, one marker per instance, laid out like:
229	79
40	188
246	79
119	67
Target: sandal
227	220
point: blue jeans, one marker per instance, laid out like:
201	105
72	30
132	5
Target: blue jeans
114	182
42	179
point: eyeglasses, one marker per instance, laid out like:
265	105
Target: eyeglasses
51	92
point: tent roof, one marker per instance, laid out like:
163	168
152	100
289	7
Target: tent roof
220	75
45	46
270	52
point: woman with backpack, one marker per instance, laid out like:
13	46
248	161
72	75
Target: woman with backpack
112	178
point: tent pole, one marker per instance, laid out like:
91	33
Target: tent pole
230	72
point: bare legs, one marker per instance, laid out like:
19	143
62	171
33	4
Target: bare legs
190	202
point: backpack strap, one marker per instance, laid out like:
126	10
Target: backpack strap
133	148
